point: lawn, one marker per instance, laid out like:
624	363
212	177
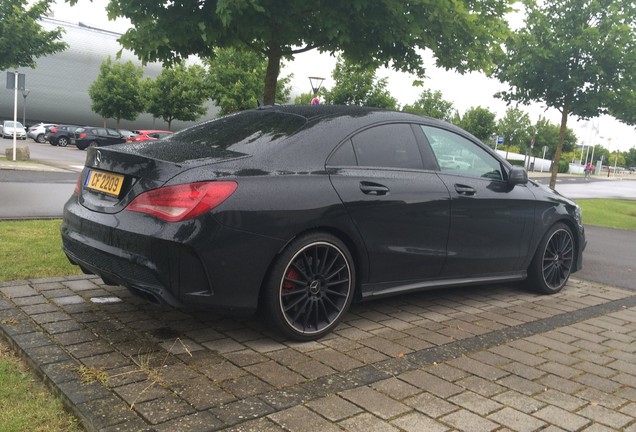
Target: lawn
32	249
620	214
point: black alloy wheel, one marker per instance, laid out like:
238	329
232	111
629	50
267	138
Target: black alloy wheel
552	263
62	141
311	287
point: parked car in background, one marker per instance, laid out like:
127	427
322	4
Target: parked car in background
59	135
89	136
128	134
8	127
300	210
36	132
145	135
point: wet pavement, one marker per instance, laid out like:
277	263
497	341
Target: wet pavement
487	358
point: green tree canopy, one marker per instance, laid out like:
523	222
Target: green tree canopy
572	55
516	128
358	85
462	34
178	93
432	104
22	39
236	78
479	122
116	91
547	134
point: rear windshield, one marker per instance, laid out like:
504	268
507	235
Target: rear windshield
229	137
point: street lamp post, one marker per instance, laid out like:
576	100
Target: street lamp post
316	83
25	93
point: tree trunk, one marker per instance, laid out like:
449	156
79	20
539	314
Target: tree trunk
271	75
557	154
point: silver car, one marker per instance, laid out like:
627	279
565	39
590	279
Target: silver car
36	132
8	127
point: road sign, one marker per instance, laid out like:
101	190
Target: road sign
11	81
500	140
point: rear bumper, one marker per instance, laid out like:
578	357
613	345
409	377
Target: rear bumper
198	263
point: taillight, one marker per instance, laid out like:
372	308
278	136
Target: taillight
183	202
78	186
82	135
53	129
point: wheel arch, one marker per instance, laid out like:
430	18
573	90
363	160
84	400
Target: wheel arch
356	250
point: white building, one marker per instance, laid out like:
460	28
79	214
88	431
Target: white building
58	86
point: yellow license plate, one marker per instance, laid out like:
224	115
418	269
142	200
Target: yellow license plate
107	183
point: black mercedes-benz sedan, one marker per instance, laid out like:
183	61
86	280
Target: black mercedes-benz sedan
300	210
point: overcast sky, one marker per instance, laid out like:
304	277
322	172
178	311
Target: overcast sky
465	91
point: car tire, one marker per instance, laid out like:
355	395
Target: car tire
53	143
62	141
310	287
40	139
552	264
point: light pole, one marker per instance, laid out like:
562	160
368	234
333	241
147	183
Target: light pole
25	93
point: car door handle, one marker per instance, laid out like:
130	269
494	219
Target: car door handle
465	190
370	188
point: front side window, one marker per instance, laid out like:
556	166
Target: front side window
458	155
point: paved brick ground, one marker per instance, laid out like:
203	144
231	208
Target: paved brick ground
490	358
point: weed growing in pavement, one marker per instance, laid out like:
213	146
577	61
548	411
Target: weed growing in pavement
90	375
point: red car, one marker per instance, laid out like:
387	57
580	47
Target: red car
145	135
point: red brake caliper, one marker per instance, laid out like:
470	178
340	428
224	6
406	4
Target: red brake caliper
291	274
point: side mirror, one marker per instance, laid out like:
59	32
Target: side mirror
517	175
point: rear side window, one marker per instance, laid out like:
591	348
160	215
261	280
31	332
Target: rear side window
386	146
389	146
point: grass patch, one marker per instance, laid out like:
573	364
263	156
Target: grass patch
33	249
25	404
620	214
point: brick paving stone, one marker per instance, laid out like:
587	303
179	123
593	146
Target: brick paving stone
246	386
301	419
526	346
430	405
334	408
221	371
562	400
375	402
517	355
367	355
598	382
601	398
312	369
163	409
367	423
70	300
197	422
475	403
50	317
276	375
18	291
606	416
430	383
523	371
31	300
245	357
516	420
142	391
258	425
264	345
521	385
605	372
589	353
553	344
334	359
181	346
201	393
80	285
519	401
629	409
75	337
478	368
288	356
446	372
489	358
620	346
481	386
502	319
623	366
558	383
561	418
469	422
416	422
395	388
560	358
39	309
560	370
107	361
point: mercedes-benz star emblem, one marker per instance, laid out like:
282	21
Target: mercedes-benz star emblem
98	157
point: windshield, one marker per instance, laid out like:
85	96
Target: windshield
10	124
